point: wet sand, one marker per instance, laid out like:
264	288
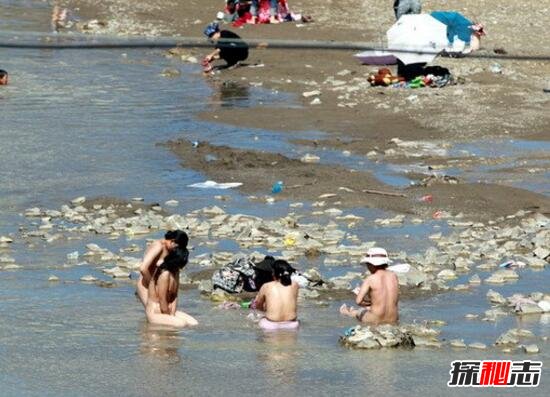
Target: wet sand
359	118
304	181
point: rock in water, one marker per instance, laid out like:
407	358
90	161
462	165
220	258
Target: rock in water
495	297
531	349
383	336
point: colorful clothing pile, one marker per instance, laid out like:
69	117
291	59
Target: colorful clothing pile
385	78
238	12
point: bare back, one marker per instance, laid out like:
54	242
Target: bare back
383	290
278	301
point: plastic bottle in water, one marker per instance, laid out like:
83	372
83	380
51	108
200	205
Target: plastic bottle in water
277	187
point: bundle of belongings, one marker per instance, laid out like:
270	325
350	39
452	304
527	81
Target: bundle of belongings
244	274
241	12
430	76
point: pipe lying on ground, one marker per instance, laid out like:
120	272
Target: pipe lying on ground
82	42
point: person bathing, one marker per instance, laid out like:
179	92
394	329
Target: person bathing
154	257
379	293
278	299
162	297
3	77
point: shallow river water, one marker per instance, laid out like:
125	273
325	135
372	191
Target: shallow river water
87	123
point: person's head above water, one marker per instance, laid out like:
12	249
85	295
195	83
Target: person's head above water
212	30
3	77
282	272
176	239
174	261
375	258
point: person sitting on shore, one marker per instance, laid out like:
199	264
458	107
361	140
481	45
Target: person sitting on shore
378	295
232	49
403	7
154	256
162	298
3	77
278	299
273	10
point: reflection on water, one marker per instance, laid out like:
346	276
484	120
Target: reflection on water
231	91
279	357
162	343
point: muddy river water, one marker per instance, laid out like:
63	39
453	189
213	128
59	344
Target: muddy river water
87	123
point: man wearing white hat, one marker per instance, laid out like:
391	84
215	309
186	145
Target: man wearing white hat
379	293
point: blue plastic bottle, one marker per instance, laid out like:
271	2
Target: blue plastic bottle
277	187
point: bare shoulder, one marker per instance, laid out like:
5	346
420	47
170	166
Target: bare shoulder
266	287
155	246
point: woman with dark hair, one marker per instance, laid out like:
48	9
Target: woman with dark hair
154	256
279	299
162	298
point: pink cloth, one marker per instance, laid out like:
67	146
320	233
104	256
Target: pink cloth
268	325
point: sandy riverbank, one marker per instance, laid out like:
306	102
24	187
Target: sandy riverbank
359	118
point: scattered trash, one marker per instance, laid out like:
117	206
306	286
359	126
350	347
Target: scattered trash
310	158
308	94
195	144
496	68
437	214
73	256
430	180
215	185
512	264
426	199
246	304
229	305
316	101
289	241
277	187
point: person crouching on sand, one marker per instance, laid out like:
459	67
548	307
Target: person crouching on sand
154	256
162	300
232	49
278	299
379	293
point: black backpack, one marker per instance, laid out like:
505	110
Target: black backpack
236	276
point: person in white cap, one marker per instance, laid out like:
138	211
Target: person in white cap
379	293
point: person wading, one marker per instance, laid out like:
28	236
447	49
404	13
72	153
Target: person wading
154	256
162	294
279	299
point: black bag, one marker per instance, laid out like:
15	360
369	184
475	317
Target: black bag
236	276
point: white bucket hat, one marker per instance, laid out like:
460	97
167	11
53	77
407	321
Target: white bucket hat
375	256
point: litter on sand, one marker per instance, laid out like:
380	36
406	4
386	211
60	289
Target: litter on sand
215	185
